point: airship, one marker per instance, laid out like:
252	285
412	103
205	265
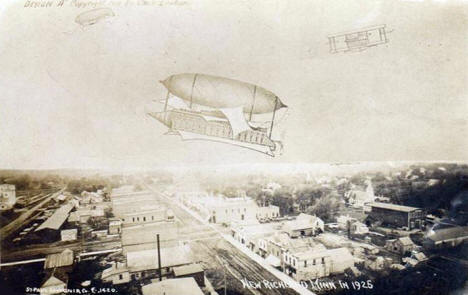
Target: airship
93	16
213	108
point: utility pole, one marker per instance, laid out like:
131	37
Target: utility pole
224	271
159	257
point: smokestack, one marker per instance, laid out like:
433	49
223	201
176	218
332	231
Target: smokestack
159	257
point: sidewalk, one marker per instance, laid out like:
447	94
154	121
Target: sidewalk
278	274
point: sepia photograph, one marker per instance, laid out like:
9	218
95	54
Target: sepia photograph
219	147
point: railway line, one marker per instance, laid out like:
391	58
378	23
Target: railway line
26	216
237	265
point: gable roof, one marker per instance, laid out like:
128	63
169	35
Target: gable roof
52	281
393	207
57	219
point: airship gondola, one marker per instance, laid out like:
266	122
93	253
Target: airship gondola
212	108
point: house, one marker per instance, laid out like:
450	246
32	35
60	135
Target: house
358	198
359	228
61	198
82	215
63	260
144	264
99	233
55	283
148	215
280	242
7	196
228	210
115	226
69	234
193	270
397	215
343	221
317	263
116	274
178	286
401	245
253	236
304	225
267	212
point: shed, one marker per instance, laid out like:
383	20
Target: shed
63	259
57	219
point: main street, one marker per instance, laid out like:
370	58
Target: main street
231	260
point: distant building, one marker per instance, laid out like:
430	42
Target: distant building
7	196
358	198
220	209
69	234
280	243
173	287
145	216
115	226
397	215
304	225
82	215
253	236
312	264
267	212
359	228
343	221
227	210
445	236
400	246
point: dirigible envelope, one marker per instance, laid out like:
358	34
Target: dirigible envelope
93	16
218	92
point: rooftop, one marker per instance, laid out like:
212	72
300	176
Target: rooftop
187	269
146	233
173	287
65	258
406	241
148	259
57	219
393	207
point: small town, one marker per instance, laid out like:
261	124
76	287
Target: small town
199	233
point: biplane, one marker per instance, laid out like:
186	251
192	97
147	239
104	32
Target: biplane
358	40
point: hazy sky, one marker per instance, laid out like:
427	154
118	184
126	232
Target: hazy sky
74	96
